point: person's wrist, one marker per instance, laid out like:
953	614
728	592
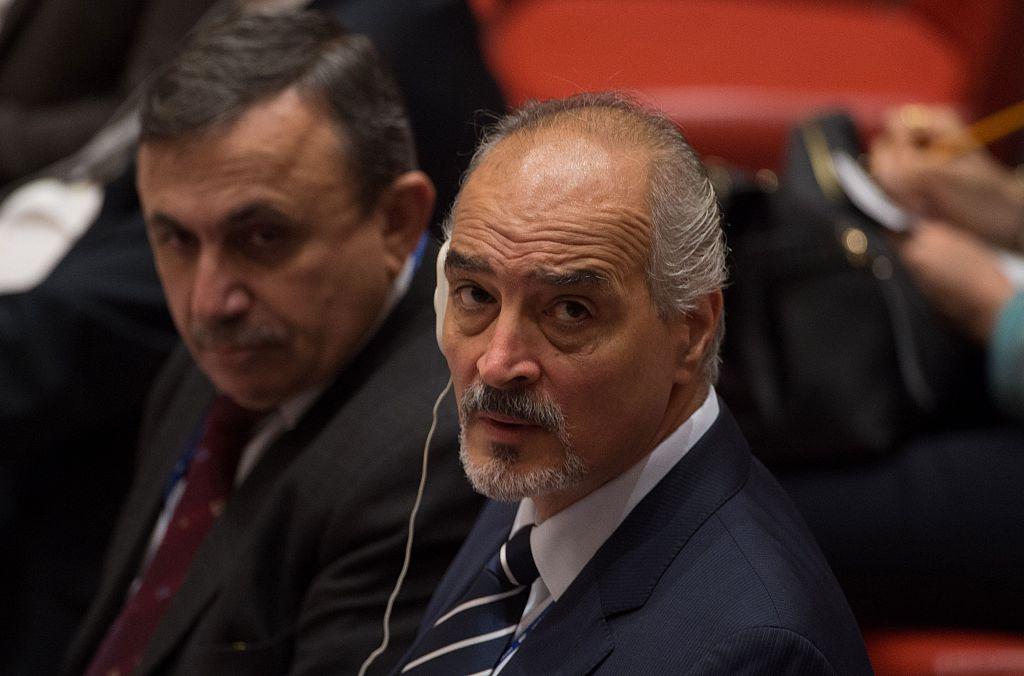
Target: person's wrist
988	306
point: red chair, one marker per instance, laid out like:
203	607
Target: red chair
736	74
914	652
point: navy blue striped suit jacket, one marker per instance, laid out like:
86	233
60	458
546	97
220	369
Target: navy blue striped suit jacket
713	572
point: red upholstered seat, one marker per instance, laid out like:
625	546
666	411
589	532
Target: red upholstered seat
905	652
735	74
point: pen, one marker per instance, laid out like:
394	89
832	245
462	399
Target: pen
986	130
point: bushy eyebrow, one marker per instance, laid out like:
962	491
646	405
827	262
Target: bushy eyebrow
552	277
257	212
582	277
162	220
457	261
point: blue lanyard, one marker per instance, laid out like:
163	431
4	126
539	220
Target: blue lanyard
181	467
518	641
421	247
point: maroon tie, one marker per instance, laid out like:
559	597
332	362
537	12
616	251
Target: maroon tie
208	483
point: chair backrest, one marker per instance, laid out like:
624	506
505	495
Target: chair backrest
990	36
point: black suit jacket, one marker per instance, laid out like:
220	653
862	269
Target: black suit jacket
712	573
293	577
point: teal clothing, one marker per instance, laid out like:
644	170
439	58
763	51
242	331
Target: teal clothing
1006	359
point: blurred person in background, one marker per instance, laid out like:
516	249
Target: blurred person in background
930	534
66	66
970	212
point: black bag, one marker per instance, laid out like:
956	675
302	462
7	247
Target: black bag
831	352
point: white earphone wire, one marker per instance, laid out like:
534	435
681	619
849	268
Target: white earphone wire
379	650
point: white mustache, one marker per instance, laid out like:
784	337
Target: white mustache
532	409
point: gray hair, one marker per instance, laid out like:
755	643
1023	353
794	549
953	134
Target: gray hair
687	259
235	63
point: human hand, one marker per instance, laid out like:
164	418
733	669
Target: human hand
918	160
958	273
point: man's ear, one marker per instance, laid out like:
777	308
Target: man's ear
697	331
406	208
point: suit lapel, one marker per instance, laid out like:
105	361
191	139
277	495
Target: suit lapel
491	529
142	509
572	639
216	555
576	634
218	552
633	560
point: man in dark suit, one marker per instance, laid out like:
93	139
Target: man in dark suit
280	455
582	327
99	322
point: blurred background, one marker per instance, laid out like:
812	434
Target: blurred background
880	374
737	74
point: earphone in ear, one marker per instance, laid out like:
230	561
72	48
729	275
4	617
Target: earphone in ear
441	292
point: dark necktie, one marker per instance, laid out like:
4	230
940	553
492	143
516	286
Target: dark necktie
208	481
470	637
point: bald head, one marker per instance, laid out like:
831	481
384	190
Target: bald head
686	246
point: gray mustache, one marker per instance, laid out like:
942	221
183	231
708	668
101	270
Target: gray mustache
540	411
229	334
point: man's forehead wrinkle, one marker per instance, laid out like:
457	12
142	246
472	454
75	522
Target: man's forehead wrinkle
558	208
234	179
552	256
244	178
456	260
614	227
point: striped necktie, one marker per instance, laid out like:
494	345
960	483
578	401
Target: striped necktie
470	637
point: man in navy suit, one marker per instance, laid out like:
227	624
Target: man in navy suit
631	531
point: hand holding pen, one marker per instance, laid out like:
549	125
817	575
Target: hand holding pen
936	167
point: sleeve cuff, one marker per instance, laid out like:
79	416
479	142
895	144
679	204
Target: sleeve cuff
1006	359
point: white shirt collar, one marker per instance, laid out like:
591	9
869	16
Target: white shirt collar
564	543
